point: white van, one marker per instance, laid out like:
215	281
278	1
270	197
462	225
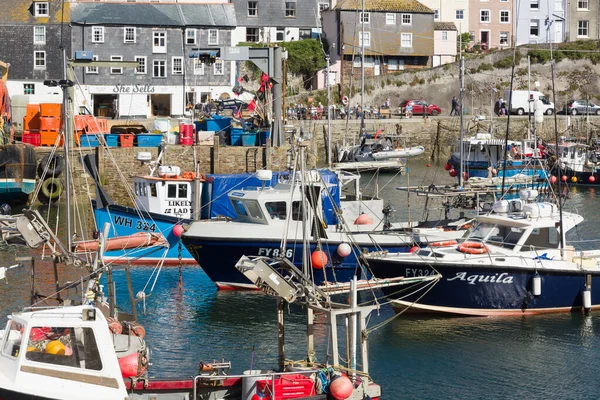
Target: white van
521	102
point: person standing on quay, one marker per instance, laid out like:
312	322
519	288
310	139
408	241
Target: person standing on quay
454	106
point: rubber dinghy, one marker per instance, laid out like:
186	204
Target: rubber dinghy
398	153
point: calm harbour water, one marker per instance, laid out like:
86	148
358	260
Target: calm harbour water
541	357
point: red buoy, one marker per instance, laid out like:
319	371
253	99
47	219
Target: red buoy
465	176
592	179
553	179
448	167
413	249
563	178
178	230
129	365
453	172
341	387
363	219
428	165
318	259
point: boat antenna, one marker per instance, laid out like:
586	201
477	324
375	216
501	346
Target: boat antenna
462	113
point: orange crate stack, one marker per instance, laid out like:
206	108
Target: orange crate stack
31	120
97	125
50	109
80	122
49	123
48	138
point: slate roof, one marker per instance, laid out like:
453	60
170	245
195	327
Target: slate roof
444	26
408	6
136	14
21	12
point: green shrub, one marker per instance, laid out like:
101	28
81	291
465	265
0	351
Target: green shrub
486	67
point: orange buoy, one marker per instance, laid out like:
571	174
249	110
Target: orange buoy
134	329
574	179
592	179
341	387
414	248
319	259
553	179
178	230
114	326
129	365
55	347
563	178
363	219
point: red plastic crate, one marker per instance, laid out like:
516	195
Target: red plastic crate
33	138
287	387
126	140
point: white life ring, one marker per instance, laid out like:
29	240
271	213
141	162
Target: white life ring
345	100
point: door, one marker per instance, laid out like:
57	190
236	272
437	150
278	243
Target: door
558	38
485	40
377	70
417	107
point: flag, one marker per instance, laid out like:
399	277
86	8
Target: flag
252	105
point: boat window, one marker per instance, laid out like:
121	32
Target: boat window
239	207
277	209
172	191
254	209
541	237
479	231
182	191
12	340
153	189
144	189
70	347
505	236
136	187
297	211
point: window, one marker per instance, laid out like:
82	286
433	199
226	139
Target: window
583	5
364	17
177	65
534	5
436	14
141	68
172	191
14	336
159	68
39	59
401	65
406	40
484	16
460	14
153	192
129	34
369	62
277	210
323	7
190	36
503	38
392	64
305	33
213	36
406	19
28	88
390	19
290	9
534	28
116	70
218	67
253	8
504	17
198	67
356	62
160	42
252	35
97	34
92	70
364	38
40	9
39	35
280	34
582	28
182	191
444	35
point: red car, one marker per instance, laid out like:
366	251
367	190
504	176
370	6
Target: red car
417	107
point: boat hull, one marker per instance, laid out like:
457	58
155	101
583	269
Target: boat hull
487	291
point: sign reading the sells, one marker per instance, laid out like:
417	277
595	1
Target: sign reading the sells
120	88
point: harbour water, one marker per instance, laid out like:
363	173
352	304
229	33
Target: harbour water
541	357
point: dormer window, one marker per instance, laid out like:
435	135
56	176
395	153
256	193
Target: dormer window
41	9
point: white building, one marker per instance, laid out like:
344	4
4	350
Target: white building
444	43
456	11
540	21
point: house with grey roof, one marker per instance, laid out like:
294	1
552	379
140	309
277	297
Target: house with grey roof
395	35
161	38
444	43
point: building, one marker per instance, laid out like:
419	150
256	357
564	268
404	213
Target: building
444	43
32	35
583	20
396	35
534	15
285	20
491	22
456	11
160	38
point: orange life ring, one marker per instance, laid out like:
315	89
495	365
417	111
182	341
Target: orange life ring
188	175
444	243
472	248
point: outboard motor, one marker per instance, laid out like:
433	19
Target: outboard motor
5	209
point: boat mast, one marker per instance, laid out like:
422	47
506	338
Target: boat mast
328	112
362	70
462	114
67	114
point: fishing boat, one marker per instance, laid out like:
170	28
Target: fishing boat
579	162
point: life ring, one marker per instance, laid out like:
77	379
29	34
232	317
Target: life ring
54	164
188	175
472	248
345	100
51	189
445	243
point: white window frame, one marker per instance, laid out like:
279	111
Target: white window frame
580	28
444	36
406	39
190	36
133	30
42	59
41	9
406	19
255	12
356	62
392	64
42	34
462	14
364	17
369	62
161	46
401	65
534	5
174	62
291	12
257	35
198	67
436	14
586	7
489	16
500	16
507	39
219	70
213	37
97	31
141	69
532	23
92	70
162	64
390	18
367	38
116	70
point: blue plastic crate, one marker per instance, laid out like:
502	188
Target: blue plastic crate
236	136
263	137
151	140
112	140
90	140
249	139
216	123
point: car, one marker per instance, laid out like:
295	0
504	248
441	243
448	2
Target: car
418	105
575	107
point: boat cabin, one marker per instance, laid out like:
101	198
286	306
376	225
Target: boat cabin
171	192
574	156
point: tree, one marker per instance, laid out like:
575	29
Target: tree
305	57
465	38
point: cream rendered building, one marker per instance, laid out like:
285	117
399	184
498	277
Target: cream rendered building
456	11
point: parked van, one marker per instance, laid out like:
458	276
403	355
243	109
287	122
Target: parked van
521	102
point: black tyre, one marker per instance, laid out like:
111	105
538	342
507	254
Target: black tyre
549	111
434	113
574	111
520	111
51	190
55	165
